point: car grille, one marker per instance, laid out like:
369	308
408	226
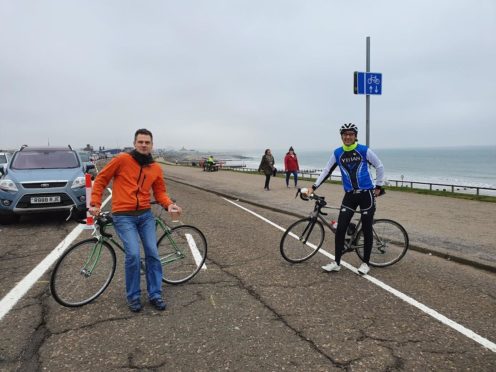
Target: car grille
25	201
44	185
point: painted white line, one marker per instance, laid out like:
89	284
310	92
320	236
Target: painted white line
16	293
431	312
194	250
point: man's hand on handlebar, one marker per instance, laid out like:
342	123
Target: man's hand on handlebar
304	193
175	211
94	211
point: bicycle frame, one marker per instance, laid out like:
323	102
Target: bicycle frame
95	254
99	233
318	214
350	242
159	222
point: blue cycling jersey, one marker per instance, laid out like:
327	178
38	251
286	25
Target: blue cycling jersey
354	168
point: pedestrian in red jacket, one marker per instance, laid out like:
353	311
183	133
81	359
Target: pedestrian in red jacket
291	166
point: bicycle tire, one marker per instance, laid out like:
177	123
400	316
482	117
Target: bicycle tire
183	252
390	244
70	283
293	248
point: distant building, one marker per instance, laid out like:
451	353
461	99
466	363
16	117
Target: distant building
113	151
108	153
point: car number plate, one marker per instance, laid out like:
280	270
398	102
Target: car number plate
45	199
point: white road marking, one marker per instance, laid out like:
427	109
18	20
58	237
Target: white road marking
194	250
16	293
431	312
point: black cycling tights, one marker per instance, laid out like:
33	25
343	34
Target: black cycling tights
366	201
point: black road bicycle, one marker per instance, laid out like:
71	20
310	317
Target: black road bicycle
305	237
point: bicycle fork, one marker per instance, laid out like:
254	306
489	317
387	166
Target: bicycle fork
92	260
308	230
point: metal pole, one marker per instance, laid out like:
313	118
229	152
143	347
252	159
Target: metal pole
367	98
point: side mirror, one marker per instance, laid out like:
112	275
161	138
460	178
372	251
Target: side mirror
89	166
3	171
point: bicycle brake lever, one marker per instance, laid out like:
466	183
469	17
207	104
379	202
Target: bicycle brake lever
298	192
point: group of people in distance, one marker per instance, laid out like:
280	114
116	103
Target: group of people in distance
136	174
291	167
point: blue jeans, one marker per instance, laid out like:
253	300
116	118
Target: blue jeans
130	229
295	175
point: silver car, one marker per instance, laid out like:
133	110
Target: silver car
42	179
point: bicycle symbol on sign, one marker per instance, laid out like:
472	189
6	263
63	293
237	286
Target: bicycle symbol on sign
373	79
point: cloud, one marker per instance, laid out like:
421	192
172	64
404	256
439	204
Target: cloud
245	74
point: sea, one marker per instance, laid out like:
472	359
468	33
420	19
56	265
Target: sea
465	166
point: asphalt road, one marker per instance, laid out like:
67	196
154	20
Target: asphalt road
250	310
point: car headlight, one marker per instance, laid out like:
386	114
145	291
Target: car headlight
8	185
78	182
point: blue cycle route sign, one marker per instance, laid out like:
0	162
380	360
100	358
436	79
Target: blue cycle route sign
367	83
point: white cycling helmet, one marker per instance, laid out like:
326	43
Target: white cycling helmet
348	127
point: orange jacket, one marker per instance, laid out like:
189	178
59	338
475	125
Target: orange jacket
131	186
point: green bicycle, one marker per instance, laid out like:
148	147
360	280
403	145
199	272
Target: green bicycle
86	269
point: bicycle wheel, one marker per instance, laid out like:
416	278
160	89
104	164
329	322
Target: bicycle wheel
302	240
389	246
182	252
83	272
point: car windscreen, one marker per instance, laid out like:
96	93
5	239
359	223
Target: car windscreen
45	160
85	157
3	158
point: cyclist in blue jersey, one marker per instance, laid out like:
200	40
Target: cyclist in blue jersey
353	160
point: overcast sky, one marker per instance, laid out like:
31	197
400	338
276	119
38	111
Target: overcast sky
245	74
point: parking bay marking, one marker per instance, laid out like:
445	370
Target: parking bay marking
431	312
16	293
194	251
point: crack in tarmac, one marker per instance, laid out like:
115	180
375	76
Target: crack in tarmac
29	357
280	318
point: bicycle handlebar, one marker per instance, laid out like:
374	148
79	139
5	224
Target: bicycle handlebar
307	197
103	218
314	196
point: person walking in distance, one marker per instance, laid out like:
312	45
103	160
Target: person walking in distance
291	166
360	190
134	175
267	167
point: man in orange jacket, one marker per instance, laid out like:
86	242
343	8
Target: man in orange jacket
133	175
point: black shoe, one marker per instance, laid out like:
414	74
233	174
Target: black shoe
135	305
158	303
